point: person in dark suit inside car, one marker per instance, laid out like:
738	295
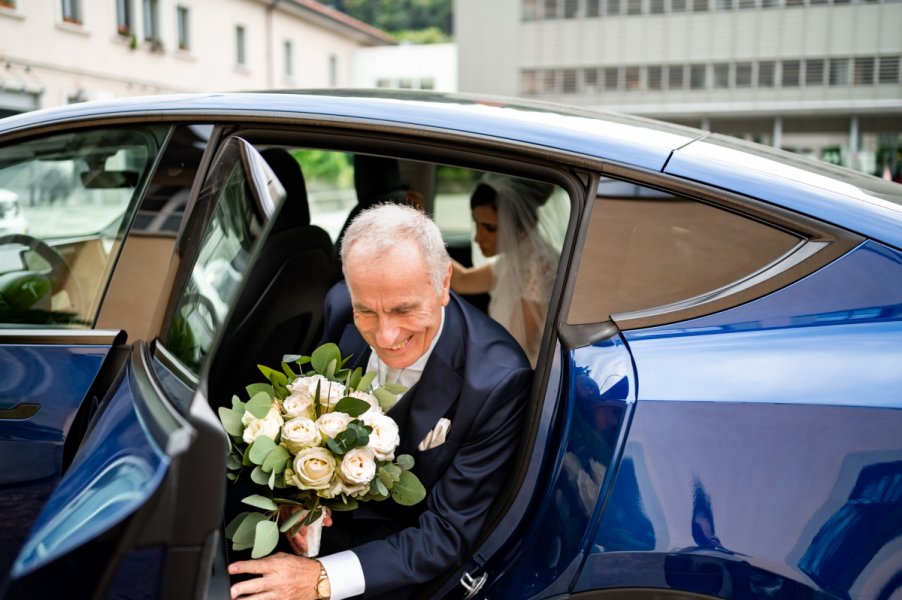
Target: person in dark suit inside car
468	382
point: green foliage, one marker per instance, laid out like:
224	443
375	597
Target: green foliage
408	490
325	168
431	35
399	15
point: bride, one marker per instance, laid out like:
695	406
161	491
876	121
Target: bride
519	275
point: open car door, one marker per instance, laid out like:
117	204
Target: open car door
139	511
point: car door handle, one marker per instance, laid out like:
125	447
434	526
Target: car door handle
20	411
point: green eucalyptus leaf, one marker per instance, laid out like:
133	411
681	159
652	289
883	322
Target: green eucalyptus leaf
276	460
259	476
345	504
260	404
291	358
255	388
366	381
233	463
394	388
330	369
260	449
259	501
405	461
381	487
240	547
408	490
244	533
323	356
288	372
290	521
266	538
233	525
237	404
351	406
231	421
386	400
232	476
393	471
354	378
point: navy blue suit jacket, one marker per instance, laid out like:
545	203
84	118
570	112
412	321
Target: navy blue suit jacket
479	378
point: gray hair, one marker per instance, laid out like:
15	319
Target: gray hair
378	229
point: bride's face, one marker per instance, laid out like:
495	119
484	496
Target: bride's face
396	308
486	219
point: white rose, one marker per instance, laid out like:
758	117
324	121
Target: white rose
358	466
300	433
330	392
368	398
354	489
270	425
385	437
298	405
313	469
331	424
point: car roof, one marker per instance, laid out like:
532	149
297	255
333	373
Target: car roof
862	203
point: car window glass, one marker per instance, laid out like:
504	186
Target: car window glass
645	248
224	252
65	201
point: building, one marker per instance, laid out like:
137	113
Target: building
819	77
407	66
59	51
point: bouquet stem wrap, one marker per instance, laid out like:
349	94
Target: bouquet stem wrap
314	536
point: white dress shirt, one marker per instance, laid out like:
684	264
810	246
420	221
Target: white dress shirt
343	568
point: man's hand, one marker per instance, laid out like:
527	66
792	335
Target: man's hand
298	541
284	577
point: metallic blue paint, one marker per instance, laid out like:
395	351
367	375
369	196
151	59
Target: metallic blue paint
782	348
117	468
57	378
601	385
754	501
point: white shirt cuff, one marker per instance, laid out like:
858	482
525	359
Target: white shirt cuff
345	574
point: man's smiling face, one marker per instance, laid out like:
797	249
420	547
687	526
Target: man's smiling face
396	309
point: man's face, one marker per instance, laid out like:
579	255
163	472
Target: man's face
396	309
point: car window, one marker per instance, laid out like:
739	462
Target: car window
224	252
65	202
645	248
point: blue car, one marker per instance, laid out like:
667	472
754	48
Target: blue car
717	403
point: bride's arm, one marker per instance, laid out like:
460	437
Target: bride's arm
470	280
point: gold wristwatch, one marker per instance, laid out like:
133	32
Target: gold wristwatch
323	589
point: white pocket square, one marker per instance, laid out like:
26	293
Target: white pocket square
436	437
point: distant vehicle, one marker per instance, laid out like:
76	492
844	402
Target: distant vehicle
717	407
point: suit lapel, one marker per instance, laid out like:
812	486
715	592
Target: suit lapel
439	387
352	343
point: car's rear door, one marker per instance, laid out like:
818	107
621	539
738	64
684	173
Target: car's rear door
139	510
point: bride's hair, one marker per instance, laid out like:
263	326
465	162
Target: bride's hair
521	198
377	230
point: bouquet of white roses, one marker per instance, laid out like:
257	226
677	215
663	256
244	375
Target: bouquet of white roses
310	441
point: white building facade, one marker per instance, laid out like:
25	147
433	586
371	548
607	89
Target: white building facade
59	51
820	77
407	66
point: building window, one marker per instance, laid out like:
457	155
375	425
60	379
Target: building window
333	70
770	3
183	29
240	51
814	71
590	79
287	58
791	73
125	17
720	75
613	7
656	7
593	8
699	5
529	83
427	83
405	83
790	3
151	20
746	4
655	77
766	73
383	83
839	71
571	9
677	6
549	81
634	7
611	78
531	10
632	80
569	81
863	73
676	79
550	9
723	4
72	11
697	77
888	69
743	74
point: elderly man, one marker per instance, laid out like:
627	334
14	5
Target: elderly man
467	381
